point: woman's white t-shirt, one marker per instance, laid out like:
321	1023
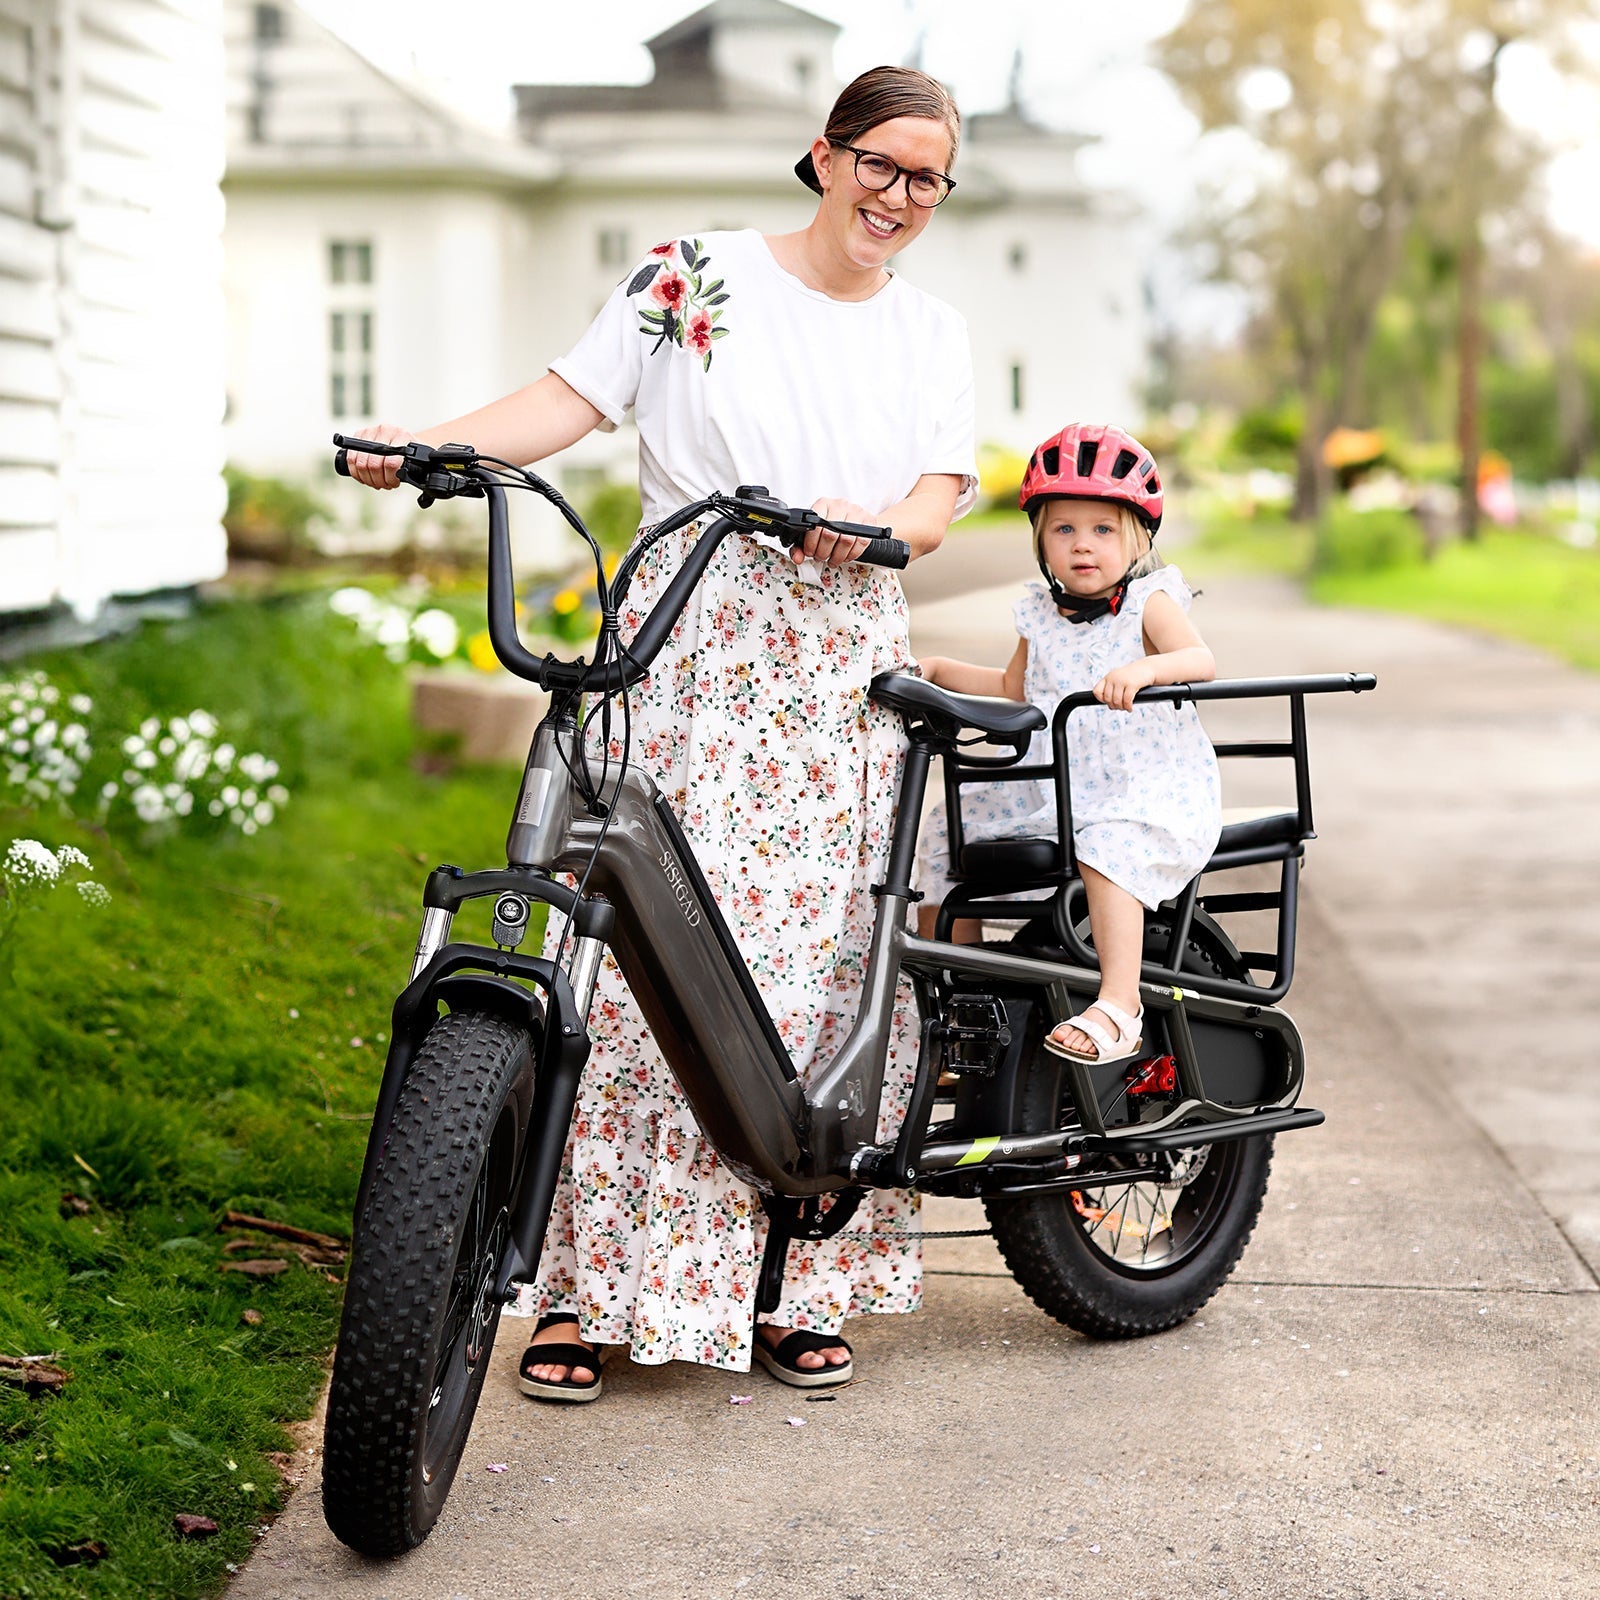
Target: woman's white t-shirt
738	373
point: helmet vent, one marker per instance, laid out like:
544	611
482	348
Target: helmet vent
1050	460
1124	464
1088	449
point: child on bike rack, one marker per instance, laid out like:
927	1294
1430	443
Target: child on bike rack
1146	797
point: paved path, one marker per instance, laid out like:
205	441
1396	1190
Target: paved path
1393	1396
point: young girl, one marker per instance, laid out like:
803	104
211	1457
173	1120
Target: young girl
1146	799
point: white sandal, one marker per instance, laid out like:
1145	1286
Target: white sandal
1122	1048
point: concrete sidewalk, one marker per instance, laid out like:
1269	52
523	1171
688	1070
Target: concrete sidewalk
1392	1397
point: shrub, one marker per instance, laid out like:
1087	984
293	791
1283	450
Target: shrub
1366	541
268	519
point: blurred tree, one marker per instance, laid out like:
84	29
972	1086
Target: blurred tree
1368	119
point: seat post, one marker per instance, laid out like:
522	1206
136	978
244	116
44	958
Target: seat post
903	841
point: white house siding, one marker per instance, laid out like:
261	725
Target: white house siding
110	303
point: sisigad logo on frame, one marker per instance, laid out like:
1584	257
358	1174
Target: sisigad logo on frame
680	890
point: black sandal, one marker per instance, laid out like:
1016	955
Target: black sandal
779	1359
567	1390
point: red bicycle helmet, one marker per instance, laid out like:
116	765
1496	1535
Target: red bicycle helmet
1094	461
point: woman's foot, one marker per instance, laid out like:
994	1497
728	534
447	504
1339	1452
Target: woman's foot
803	1359
564	1376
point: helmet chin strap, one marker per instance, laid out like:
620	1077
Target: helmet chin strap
1080	608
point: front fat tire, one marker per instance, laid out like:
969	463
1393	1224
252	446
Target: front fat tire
1048	1250
409	1369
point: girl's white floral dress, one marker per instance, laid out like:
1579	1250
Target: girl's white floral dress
756	725
1146	794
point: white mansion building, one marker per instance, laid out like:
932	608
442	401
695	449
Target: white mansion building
383	257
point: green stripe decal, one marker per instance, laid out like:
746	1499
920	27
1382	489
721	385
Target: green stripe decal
981	1150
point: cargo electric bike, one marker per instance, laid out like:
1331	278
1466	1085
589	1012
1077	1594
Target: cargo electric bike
1120	1197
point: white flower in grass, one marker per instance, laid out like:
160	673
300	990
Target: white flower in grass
229	795
132	745
247	798
94	894
223	756
16	774
145	760
179	729
202	724
191	761
109	791
150	728
277	794
167	746
82	704
436	631
216	808
149	803
37	715
17	725
247	826
353	602
70	856
49	693
31	862
263	812
184	804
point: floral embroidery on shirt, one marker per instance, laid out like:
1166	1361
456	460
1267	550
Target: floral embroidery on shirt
685	308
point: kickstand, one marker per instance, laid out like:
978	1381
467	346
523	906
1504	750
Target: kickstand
781	1216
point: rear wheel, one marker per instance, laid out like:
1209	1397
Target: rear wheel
1149	1241
420	1312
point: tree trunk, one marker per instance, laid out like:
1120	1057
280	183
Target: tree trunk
1470	355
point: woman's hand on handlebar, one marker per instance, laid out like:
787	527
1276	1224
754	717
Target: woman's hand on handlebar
379	472
828	548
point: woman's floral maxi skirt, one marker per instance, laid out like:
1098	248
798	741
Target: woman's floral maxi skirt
756	725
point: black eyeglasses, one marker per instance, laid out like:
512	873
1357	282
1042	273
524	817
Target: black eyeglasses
878	173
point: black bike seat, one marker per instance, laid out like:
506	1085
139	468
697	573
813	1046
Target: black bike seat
912	696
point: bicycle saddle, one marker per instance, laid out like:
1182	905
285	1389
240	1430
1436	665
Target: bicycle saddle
1011	720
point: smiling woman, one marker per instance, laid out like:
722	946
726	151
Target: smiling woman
801	362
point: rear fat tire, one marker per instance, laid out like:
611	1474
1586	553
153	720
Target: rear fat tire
1046	1246
418	1326
1045	1240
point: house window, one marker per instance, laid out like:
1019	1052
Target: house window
350	261
1016	386
350	363
268	22
613	247
350	334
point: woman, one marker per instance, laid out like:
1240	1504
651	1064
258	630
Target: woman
800	362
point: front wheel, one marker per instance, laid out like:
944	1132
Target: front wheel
420	1312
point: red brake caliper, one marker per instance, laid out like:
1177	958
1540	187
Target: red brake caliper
1158	1075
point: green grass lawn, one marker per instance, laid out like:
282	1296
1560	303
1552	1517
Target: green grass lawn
1517	584
210	1040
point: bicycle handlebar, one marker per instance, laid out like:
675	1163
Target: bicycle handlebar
447	470
789	524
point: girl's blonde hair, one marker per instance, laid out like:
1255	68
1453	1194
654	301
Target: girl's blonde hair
1138	550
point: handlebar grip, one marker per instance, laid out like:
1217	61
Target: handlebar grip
883	552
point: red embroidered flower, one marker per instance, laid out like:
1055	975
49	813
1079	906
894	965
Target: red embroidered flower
664	249
669	289
697	335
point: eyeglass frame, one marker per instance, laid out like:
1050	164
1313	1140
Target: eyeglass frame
908	173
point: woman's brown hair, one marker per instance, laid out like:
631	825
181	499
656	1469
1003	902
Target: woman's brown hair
880	95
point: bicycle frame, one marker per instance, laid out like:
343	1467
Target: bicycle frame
647	897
